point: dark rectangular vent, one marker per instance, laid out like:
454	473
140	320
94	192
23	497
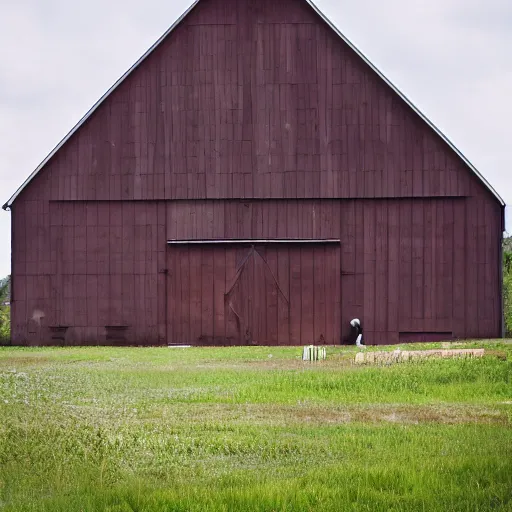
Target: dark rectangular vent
58	332
116	333
425	337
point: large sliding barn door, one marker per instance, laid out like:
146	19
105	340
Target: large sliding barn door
261	293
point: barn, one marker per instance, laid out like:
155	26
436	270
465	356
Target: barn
254	179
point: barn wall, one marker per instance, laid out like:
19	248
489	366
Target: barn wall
248	101
409	268
422	269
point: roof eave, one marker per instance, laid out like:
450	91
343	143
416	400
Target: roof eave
8	204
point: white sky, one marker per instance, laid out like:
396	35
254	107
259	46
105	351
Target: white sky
57	58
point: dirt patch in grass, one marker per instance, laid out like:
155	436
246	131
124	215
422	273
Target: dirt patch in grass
18	362
500	354
334	360
402	414
434	414
307	413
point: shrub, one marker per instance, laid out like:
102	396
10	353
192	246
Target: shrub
5	324
507	285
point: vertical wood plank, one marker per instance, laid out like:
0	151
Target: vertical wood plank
207	298
307	283
394	283
219	289
381	269
471	274
320	294
284	299
459	269
440	262
405	281
295	296
195	267
418	259
369	257
428	258
447	255
273	292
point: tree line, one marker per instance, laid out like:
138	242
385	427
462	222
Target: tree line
507	284
5	293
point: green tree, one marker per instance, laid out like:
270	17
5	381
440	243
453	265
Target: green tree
5	326
507	284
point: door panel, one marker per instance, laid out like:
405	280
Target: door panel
266	294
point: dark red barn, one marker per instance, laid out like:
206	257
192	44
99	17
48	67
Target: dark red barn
253	179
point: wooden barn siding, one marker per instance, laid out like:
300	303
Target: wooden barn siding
267	104
255	100
272	295
409	265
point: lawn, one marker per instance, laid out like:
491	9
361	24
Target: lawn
252	429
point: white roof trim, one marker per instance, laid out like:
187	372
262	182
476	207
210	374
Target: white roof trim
333	27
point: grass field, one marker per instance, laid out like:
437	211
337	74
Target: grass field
256	429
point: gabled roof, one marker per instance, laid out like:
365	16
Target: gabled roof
332	26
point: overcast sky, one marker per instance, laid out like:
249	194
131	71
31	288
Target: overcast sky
450	57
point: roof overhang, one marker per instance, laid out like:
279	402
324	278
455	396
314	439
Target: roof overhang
333	27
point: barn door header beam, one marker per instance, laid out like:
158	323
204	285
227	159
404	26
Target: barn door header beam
257	241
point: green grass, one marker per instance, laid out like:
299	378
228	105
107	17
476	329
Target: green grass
115	429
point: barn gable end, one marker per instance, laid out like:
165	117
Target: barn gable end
267	104
345	77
